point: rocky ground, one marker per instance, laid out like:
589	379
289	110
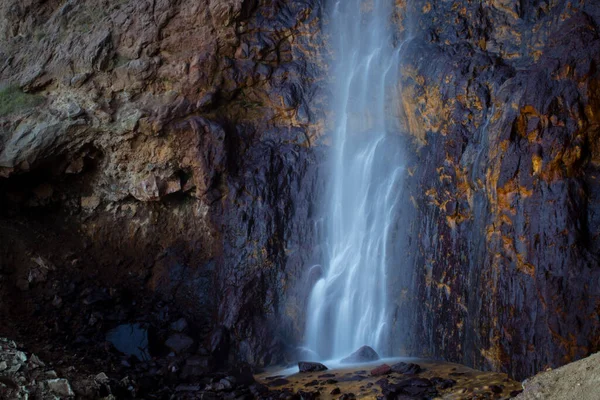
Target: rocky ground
576	381
160	160
395	379
24	375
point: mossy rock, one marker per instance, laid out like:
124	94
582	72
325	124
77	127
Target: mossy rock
13	99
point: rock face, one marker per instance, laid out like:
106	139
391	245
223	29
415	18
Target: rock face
501	102
168	148
171	150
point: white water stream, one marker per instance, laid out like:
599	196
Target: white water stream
348	305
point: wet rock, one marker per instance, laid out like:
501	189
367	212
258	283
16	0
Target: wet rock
364	354
335	391
307	366
442	383
179	343
410	387
278	382
496	389
130	339
406	368
304	395
381	370
323	376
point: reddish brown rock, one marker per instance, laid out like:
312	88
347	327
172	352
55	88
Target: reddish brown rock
381	370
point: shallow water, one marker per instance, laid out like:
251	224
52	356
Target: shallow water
470	383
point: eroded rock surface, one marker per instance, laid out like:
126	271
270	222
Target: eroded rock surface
162	156
501	102
166	148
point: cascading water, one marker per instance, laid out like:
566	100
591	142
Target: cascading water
348	305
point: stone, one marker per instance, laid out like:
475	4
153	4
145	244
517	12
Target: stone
308	366
34	362
278	382
196	366
305	395
364	354
496	389
60	387
179	343
324	376
130	339
442	383
336	391
406	368
381	370
90	203
79	79
227	384
101	378
179	326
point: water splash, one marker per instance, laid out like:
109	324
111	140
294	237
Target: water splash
348	305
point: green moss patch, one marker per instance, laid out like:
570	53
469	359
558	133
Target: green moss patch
13	99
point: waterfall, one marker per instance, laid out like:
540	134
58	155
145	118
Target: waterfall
348	305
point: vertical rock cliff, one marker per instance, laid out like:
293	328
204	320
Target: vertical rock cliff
164	148
165	154
501	102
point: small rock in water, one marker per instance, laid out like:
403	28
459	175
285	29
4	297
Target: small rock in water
381	370
406	368
364	354
306	366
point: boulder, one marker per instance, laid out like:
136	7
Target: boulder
306	366
381	370
364	354
406	368
130	339
179	343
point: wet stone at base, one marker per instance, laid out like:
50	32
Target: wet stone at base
305	366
